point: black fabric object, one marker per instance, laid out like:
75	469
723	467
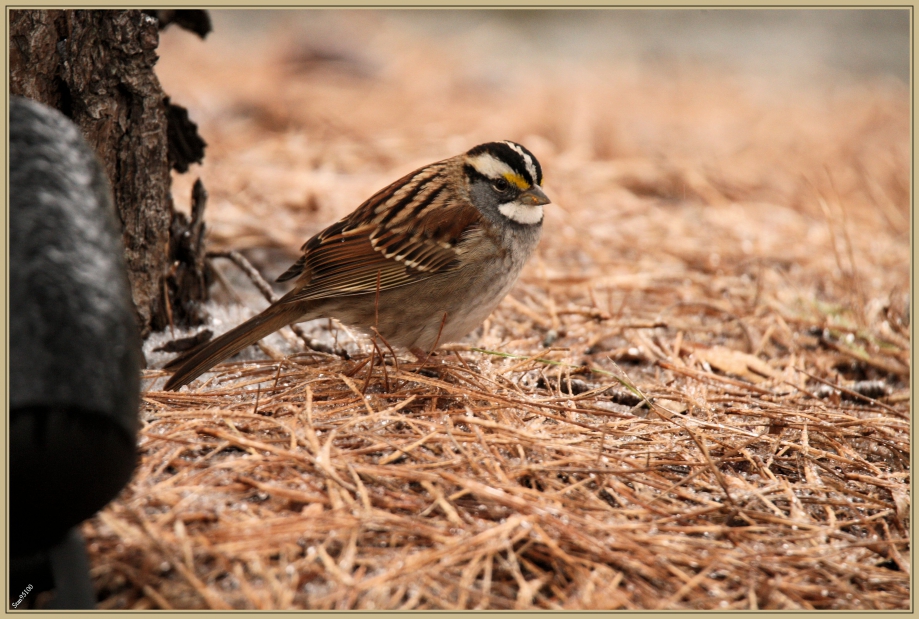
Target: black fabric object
70	570
75	354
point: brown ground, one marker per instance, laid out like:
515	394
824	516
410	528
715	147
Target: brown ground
723	279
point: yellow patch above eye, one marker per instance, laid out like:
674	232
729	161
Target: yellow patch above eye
516	180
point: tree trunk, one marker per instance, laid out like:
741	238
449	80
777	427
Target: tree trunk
97	68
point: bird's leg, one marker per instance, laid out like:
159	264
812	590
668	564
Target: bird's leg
423	358
420	355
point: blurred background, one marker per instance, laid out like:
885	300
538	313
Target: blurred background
674	142
801	41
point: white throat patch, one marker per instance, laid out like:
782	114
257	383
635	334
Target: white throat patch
522	213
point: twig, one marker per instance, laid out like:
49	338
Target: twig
854	394
265	288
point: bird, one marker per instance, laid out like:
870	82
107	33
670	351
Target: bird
422	262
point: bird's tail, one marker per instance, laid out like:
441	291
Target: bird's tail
220	348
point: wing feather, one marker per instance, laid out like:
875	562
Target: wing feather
413	229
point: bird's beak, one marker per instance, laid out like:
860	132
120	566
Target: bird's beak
534	196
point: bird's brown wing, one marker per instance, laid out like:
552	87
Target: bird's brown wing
412	229
415	228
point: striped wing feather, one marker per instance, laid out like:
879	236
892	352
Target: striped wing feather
410	230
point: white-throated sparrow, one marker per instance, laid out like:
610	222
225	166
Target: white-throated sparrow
424	260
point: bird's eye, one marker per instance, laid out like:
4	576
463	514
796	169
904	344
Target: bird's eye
501	185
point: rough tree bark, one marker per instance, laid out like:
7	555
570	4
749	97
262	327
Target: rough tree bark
97	68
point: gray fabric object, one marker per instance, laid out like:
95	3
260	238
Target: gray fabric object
73	336
74	345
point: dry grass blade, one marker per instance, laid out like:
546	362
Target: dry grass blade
673	410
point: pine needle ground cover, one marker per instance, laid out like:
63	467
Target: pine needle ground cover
697	396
